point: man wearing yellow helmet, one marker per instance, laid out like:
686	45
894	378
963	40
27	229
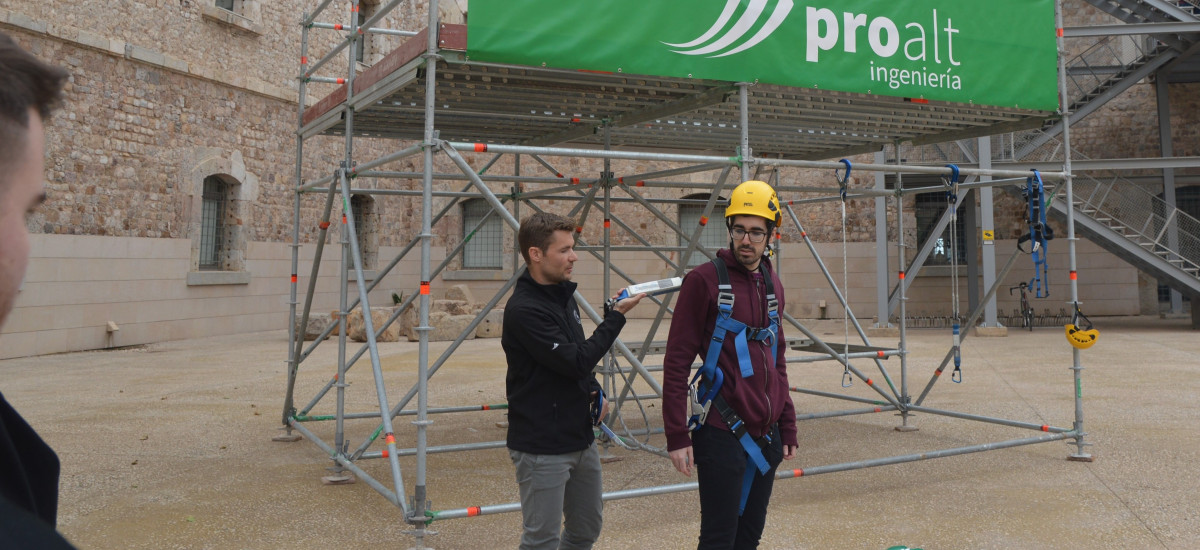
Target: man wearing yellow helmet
727	313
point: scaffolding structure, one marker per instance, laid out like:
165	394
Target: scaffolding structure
429	92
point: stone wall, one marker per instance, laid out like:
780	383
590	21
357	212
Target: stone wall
164	93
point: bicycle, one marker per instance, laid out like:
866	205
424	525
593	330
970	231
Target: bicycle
1026	309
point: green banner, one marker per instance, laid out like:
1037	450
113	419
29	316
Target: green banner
987	53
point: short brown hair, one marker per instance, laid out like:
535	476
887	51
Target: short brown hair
27	83
538	230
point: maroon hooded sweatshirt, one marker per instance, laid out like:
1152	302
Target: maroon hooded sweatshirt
761	400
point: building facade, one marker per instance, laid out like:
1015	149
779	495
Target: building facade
173	163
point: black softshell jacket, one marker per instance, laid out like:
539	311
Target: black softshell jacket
28	486
550	362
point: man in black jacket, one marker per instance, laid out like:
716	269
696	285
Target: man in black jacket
551	390
29	90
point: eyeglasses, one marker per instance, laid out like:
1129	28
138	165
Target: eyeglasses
755	236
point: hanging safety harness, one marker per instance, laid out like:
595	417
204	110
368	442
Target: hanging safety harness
1039	233
705	387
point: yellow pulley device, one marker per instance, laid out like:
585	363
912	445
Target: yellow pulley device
1084	335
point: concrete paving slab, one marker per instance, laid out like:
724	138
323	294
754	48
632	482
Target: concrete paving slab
169	446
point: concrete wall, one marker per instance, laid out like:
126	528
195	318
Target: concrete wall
75	285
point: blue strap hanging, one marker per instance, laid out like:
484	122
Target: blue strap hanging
1039	233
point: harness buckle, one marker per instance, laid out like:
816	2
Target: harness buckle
699	411
725	299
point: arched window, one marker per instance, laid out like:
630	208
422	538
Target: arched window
214	236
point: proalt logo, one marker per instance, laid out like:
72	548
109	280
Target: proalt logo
731	42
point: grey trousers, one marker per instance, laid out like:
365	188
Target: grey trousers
560	493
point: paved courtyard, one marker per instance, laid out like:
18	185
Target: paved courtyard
170	446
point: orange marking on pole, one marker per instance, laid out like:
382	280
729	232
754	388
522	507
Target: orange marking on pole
641	183
480	147
880	353
390	439
324	225
621	180
425	288
579	229
473	511
304	60
574	181
353	9
335	377
574	120
870	382
937	372
703	220
337	27
386	454
804	233
1058	32
559	174
901	275
341	81
1045	428
487	407
878	409
607	223
294	278
798	472
1074	275
343	219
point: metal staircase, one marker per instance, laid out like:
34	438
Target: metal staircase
1138	227
1123	217
1113	64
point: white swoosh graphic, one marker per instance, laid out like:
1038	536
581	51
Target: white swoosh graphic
730	6
753	11
781	13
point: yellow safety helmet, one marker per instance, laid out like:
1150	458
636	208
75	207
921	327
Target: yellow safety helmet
1081	334
1080	338
755	198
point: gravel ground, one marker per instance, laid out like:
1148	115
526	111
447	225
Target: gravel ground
170	446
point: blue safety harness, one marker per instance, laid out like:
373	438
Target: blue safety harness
1039	232
709	377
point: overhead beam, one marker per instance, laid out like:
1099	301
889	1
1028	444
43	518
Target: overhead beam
1172	9
1180	27
1090	165
710	97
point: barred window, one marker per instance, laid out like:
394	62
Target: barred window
929	208
714	235
484	246
212	224
362	207
366	10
